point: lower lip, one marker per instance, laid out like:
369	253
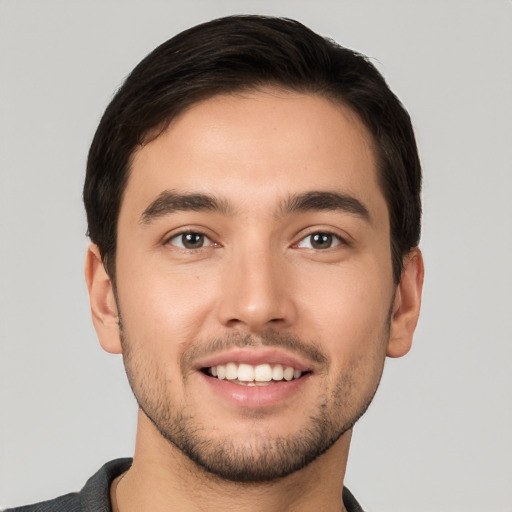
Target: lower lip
255	396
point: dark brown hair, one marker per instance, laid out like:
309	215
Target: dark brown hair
248	52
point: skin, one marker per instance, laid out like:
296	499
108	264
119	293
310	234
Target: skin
257	279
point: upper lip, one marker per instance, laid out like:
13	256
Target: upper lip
254	356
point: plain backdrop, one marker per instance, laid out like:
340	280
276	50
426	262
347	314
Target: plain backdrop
438	436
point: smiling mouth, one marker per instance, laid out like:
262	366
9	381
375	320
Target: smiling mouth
254	375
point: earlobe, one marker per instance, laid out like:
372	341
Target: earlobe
406	307
102	300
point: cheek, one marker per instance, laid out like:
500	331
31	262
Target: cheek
162	303
349	314
346	305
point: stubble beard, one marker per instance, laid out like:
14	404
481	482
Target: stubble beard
262	458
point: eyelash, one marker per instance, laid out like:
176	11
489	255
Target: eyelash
190	232
334	238
331	237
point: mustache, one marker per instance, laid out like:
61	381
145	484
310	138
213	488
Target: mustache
270	338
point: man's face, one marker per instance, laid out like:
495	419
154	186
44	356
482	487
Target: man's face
254	244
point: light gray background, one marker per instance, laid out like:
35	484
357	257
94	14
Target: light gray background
438	436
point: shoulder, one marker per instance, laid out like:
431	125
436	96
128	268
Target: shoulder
67	503
350	502
94	496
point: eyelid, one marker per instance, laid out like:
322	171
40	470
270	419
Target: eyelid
186	230
342	239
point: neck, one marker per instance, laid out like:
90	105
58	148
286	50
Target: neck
163	479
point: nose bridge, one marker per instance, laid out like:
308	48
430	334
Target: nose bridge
253	294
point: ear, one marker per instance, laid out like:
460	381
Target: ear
406	306
104	312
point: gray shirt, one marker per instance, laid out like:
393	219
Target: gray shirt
95	495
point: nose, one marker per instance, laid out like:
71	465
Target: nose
257	292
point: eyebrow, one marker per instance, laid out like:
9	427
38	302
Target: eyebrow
170	201
327	201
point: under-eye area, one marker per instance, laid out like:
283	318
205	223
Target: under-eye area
254	375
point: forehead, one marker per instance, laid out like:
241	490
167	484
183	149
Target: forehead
257	147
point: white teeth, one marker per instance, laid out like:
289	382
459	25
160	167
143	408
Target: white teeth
245	372
231	371
288	373
221	371
277	372
263	373
259	375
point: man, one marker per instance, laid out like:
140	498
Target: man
253	202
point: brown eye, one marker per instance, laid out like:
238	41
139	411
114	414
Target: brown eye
319	240
190	240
